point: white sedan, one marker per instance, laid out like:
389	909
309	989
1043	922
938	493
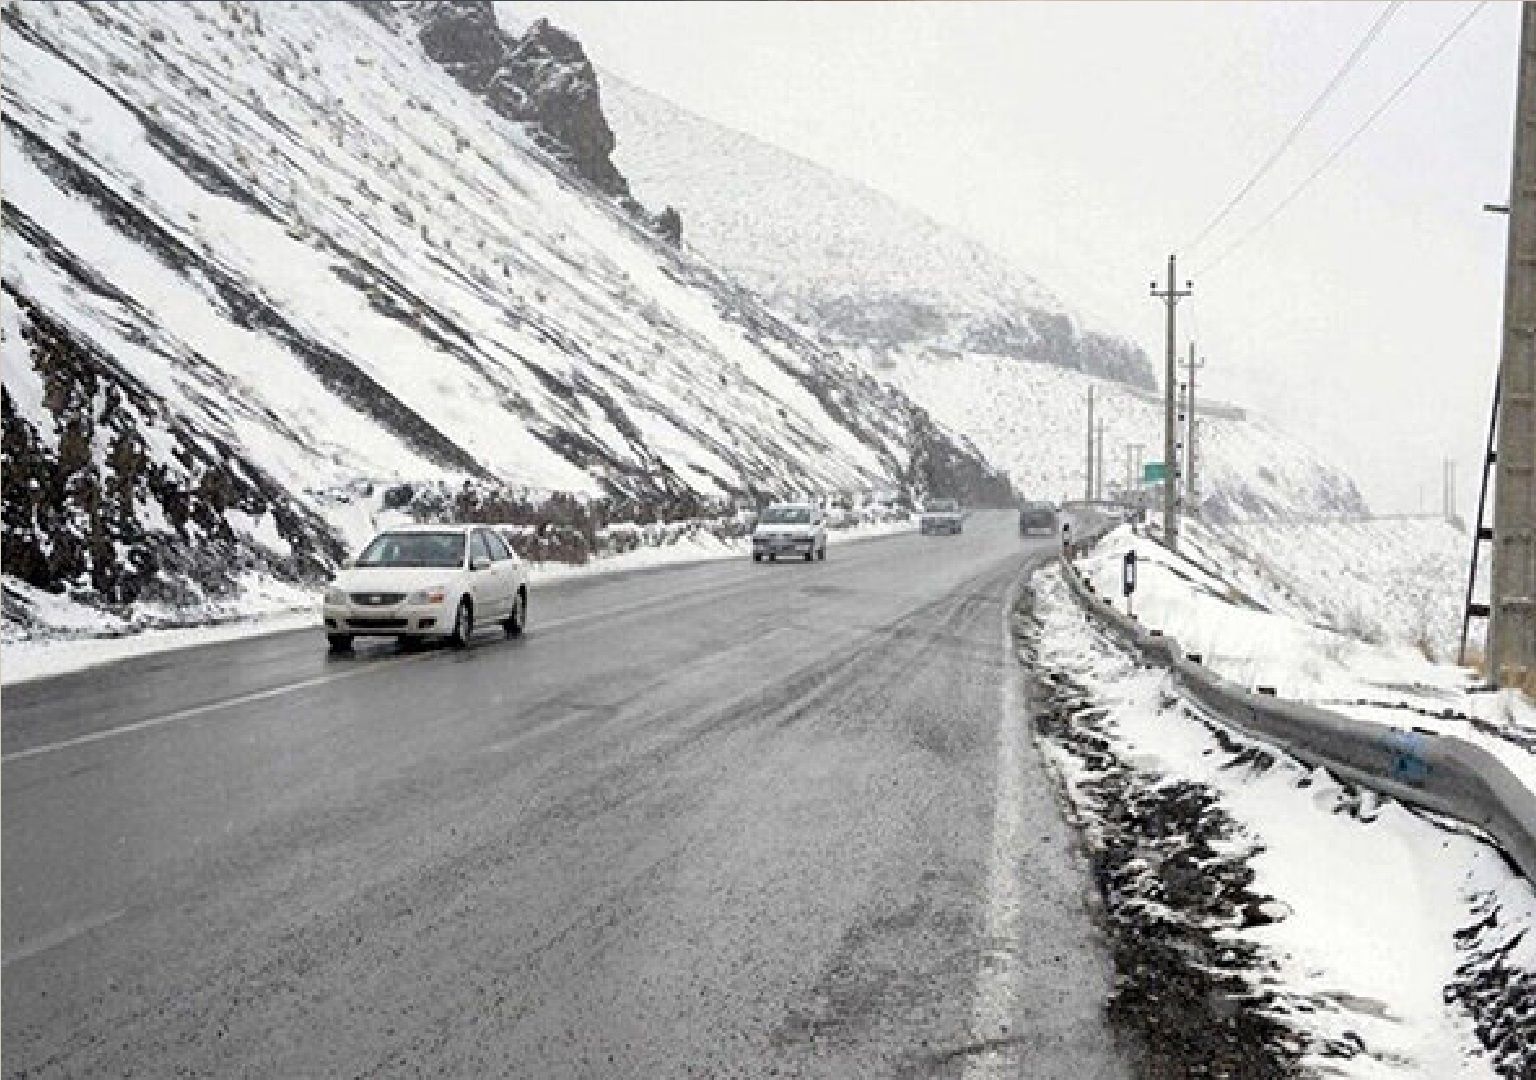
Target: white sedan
428	581
790	529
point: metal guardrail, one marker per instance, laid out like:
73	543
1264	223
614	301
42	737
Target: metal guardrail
1438	772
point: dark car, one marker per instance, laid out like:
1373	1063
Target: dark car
1037	517
941	516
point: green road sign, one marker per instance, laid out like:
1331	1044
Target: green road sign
1153	472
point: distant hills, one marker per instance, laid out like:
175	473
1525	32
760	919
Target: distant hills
856	268
979	343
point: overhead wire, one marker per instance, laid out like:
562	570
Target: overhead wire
1349	141
1364	44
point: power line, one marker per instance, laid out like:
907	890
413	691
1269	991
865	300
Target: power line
1339	150
1290	136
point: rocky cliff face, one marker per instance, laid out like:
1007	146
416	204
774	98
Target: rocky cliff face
121	499
541	78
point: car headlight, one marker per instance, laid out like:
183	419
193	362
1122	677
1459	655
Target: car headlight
335	596
432	594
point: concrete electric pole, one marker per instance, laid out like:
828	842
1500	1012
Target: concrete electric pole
1189	428
1098	469
1171	296
1088	482
1512	615
1448	500
1136	482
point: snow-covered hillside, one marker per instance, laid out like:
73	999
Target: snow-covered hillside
259	254
855	266
1032	419
977	342
1392	582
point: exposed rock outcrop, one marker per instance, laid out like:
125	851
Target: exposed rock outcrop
120	499
541	78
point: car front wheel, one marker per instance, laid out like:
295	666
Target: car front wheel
519	617
339	642
822	552
463	625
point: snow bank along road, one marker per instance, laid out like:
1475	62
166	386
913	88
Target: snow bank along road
725	819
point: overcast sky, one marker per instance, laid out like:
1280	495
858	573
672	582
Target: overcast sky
1086	142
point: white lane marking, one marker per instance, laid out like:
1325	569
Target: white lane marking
55	938
203	710
994	1011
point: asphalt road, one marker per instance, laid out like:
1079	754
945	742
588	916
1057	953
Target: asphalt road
720	820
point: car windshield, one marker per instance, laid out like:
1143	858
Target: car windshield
414	549
786	515
943	506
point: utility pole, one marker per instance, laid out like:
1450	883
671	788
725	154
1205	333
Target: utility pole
1171	296
1194	439
1189	438
1136	473
1129	476
1448	496
1098	472
1512	615
1181	419
1088	484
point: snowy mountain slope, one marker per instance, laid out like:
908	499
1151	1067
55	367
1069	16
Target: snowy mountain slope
978	343
1031	419
1389	582
258	254
851	264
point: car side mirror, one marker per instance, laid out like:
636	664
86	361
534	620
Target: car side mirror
480	562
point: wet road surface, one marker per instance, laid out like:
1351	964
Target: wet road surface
718	820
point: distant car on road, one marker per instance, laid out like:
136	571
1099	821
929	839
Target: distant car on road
790	529
1037	517
428	581
941	516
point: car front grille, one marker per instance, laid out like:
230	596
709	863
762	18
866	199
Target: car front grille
377	624
377	599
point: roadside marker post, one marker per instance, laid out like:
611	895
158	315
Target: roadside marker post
1128	579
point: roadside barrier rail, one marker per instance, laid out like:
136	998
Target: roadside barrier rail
1438	772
